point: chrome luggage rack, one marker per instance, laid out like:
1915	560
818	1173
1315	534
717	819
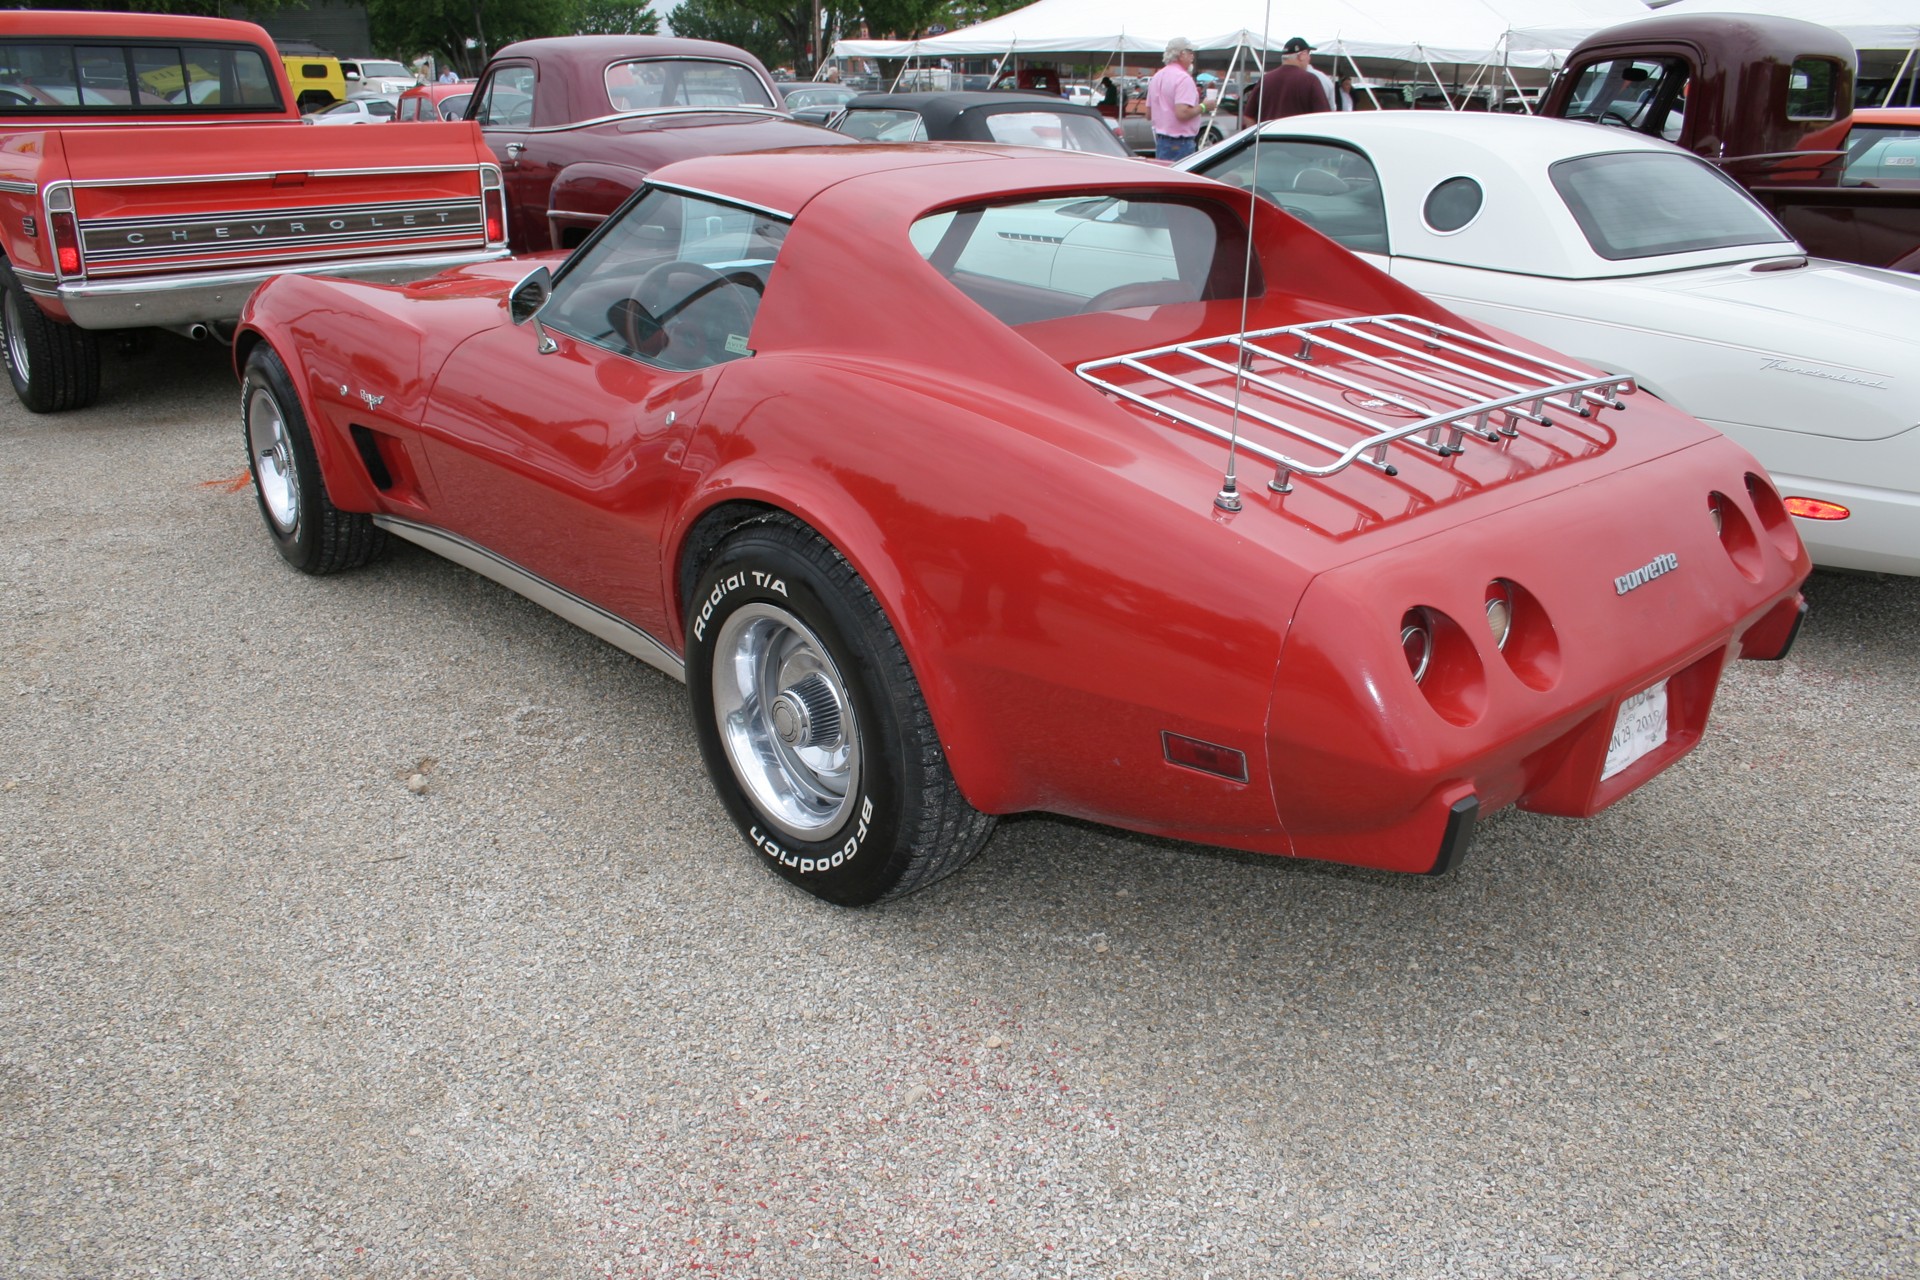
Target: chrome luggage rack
1484	389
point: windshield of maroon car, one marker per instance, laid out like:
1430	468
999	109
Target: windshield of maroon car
66	77
675	281
1070	255
1642	204
653	84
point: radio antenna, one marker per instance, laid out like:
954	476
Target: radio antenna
1228	499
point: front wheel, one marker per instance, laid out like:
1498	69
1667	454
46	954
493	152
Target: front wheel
312	534
54	366
813	726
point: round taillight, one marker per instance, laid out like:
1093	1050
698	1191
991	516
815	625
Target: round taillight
1416	642
1500	611
1717	515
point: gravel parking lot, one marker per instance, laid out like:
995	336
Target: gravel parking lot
266	1010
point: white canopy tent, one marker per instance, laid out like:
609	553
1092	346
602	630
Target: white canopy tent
1869	24
1470	32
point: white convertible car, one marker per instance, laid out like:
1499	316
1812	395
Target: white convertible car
1639	258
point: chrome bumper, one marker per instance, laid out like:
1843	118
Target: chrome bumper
162	301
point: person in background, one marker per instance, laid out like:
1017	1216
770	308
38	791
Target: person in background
1343	94
1209	89
1290	89
1173	103
1109	97
449	76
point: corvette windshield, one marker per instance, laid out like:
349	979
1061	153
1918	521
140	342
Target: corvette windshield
1043	259
675	282
1637	204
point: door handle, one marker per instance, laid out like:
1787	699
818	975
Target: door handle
514	149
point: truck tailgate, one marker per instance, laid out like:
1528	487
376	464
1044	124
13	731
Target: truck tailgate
161	200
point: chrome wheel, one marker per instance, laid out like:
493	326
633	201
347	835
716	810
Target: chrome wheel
786	721
273	468
16	336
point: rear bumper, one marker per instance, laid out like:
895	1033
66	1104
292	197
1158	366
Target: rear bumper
216	297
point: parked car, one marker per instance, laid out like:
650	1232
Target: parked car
1632	255
1883	147
579	121
372	75
434	102
359	109
1023	119
1768	100
154	169
318	82
814	101
937	521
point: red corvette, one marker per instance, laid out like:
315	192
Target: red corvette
959	482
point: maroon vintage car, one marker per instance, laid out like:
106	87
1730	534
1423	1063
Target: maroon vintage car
1767	99
579	121
960	482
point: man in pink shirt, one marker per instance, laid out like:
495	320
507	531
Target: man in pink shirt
1173	103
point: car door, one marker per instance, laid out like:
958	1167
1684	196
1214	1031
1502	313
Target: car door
557	444
505	112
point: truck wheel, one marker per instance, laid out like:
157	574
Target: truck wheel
813	726
54	366
312	534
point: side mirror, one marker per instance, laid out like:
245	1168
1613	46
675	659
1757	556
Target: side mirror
530	295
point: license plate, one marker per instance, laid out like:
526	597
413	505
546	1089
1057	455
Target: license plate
1639	728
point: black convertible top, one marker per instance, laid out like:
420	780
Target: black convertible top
947	114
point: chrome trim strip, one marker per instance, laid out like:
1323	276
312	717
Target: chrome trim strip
269	174
291	214
591	618
183	299
19	187
723	198
769	113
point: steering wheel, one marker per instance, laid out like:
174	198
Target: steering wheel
683	313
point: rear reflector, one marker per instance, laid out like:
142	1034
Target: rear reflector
1815	509
1207	757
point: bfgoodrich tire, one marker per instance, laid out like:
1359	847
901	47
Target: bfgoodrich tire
53	366
813	726
312	534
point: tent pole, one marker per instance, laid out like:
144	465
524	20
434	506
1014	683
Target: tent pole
1438	83
1893	89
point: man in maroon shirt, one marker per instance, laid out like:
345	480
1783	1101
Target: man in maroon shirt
1290	89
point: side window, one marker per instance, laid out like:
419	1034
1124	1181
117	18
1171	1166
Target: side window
506	100
1333	189
1645	94
1812	90
675	282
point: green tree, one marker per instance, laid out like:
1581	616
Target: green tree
616	18
462	34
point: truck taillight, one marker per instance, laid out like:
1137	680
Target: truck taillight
63	231
493	205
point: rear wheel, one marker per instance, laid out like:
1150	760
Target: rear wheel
813	726
54	366
312	534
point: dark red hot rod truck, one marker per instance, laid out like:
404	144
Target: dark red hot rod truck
154	171
1769	100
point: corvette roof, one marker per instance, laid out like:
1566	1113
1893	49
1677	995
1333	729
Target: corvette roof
785	180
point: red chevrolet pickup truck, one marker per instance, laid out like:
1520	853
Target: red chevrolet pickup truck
154	170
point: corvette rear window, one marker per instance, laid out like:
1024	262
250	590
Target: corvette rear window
67	77
1044	259
1639	204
